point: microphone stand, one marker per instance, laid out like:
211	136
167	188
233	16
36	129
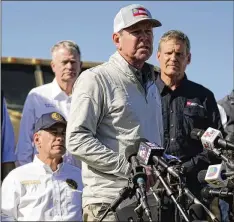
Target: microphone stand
170	194
124	193
218	153
229	163
193	199
158	202
139	209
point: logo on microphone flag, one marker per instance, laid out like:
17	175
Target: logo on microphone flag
214	176
212	171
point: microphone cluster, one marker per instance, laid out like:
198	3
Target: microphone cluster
146	153
218	177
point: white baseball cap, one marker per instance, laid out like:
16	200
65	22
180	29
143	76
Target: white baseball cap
132	14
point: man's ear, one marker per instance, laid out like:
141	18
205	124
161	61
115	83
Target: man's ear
36	139
189	58
52	66
158	55
117	40
81	64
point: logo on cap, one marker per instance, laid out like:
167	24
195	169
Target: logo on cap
139	11
57	117
189	103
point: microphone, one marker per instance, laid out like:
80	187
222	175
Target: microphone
207	193
146	154
197	212
124	193
147	150
211	138
201	176
194	200
151	153
215	176
139	177
229	174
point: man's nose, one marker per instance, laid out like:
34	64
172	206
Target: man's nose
60	137
173	57
69	65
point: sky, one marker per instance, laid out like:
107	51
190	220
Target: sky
30	29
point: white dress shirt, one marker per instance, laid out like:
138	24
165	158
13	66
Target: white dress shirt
34	192
40	100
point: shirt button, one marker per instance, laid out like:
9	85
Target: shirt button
171	111
172	139
172	125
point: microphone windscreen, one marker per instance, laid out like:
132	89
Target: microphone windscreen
132	150
196	134
201	176
230	137
197	212
205	193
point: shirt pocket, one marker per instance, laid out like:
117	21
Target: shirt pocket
194	117
195	112
73	199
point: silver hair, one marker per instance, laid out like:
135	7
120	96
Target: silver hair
39	132
68	44
177	35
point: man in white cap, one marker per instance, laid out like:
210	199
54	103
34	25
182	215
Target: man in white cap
113	105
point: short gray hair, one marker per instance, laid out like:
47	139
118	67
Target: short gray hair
70	45
177	35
